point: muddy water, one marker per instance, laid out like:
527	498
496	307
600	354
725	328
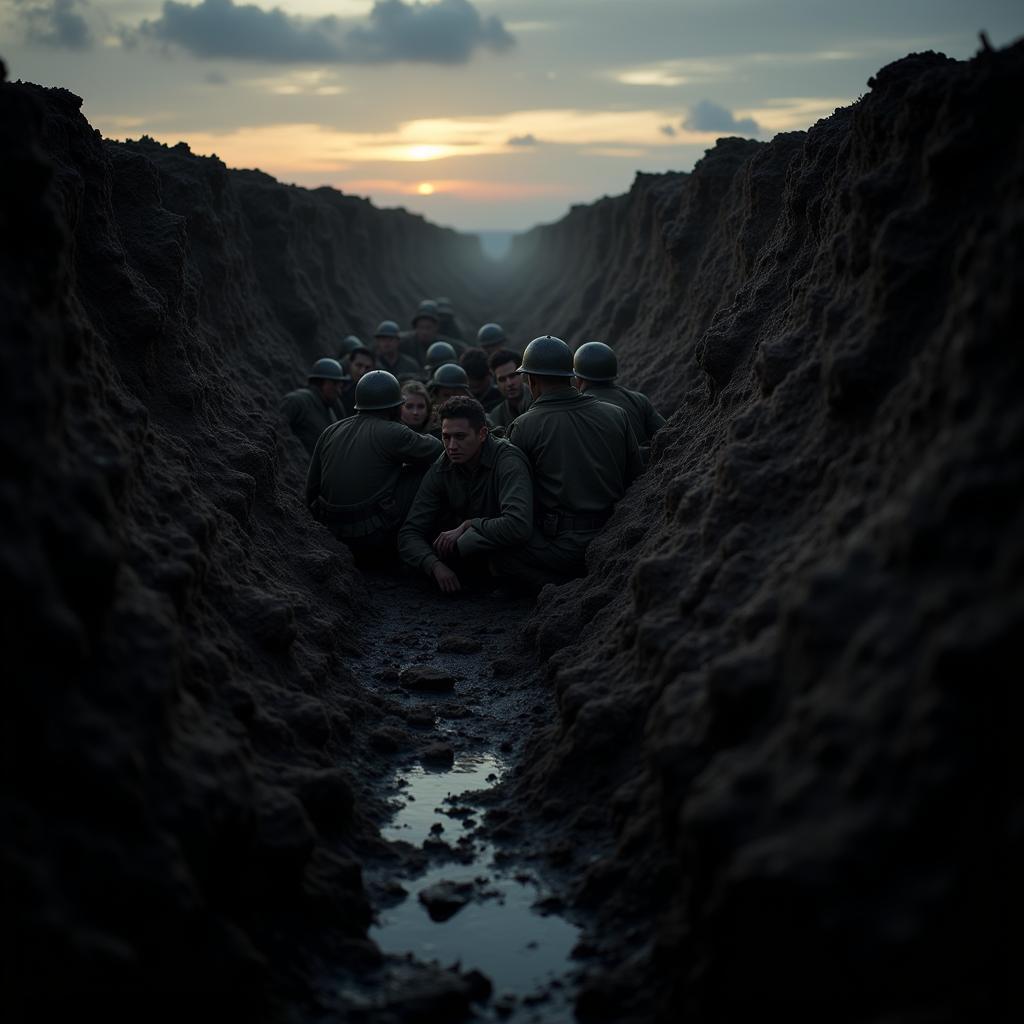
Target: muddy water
454	896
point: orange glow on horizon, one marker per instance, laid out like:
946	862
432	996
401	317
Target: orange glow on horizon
424	188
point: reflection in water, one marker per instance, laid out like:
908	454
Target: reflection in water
497	932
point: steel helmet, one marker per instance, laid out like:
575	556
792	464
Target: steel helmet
440	352
386	329
547	357
450	375
444	306
348	345
427	308
490	334
327	369
378	389
595	361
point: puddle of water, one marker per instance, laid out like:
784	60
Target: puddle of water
498	932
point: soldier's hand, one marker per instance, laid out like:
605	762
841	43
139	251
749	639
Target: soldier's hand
446	579
445	543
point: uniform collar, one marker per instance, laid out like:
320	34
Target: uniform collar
564	394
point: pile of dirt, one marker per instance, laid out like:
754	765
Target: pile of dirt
786	684
183	737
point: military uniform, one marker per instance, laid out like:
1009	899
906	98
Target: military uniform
404	367
645	420
584	455
308	415
490	399
357	484
496	496
502	415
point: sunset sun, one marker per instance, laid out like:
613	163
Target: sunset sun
425	188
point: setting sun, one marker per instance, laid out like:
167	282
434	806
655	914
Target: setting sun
425	188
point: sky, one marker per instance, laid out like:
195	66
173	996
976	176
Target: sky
479	114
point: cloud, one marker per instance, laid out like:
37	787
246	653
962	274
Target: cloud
215	78
438	32
529	139
667	129
57	24
706	116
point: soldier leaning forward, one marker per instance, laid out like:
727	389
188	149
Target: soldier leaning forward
310	410
365	470
475	500
584	455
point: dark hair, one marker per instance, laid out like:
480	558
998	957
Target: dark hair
474	362
462	408
361	352
503	356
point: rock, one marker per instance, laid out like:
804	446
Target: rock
427	679
445	899
438	755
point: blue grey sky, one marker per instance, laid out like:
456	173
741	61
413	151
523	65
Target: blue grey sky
480	114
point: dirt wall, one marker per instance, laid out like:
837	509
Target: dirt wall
184	741
787	684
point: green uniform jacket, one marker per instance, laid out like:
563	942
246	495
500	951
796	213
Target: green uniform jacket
502	415
645	420
359	460
308	415
496	497
583	452
404	368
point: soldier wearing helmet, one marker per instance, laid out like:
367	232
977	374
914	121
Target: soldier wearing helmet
438	354
449	324
476	499
310	410
596	367
584	455
386	341
426	329
491	337
365	469
449	381
359	361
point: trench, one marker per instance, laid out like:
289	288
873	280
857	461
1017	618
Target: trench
455	886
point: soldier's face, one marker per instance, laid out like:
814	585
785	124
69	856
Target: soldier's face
461	442
510	383
387	347
329	389
358	365
414	411
425	328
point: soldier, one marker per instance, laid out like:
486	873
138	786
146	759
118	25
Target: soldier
596	367
365	470
504	366
449	381
584	456
438	354
449	326
310	410
476	499
491	337
481	383
348	345
386	340
360	361
426	324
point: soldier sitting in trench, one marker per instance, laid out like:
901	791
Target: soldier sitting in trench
596	366
310	410
583	454
475	500
365	470
504	365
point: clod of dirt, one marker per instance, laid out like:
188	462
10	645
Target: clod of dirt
438	754
445	899
453	644
427	679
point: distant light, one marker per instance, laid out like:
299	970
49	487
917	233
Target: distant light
425	152
425	188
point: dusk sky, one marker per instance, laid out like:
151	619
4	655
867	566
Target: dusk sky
493	114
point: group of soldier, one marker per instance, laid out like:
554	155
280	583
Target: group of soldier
476	465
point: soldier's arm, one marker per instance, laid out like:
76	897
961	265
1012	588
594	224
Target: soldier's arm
414	546
513	525
413	447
